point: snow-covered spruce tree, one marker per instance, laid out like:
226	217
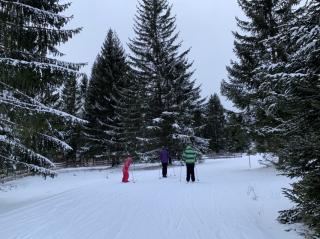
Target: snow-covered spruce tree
29	31
128	111
169	94
263	17
293	102
69	96
77	135
70	132
108	74
81	93
215	124
199	124
72	101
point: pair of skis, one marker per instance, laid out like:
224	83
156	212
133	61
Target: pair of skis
196	169
159	172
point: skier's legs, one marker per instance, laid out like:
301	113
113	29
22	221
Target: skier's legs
125	177
164	169
192	172
163	173
188	172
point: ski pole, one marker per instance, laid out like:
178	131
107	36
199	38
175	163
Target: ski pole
180	170
159	171
196	172
133	180
174	171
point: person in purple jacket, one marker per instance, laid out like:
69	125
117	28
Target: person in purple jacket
164	158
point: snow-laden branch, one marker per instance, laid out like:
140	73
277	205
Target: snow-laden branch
53	16
52	65
31	104
58	142
16	144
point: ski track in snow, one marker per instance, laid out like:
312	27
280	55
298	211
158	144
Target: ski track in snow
230	201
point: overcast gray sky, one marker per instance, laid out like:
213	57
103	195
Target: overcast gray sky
204	25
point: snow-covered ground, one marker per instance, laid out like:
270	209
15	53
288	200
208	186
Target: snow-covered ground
230	201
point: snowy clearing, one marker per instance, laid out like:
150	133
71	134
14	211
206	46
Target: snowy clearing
230	201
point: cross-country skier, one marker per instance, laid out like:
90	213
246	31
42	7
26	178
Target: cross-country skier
164	158
125	169
189	156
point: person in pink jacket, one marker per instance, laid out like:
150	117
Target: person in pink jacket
125	169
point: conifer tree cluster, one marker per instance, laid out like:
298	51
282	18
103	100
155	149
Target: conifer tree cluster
29	32
149	100
275	83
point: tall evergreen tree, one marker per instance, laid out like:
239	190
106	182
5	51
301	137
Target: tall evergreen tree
293	102
244	81
169	94
215	124
128	112
108	74
30	30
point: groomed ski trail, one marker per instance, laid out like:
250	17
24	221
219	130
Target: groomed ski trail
230	201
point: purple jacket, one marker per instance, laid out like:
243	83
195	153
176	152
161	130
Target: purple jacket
164	156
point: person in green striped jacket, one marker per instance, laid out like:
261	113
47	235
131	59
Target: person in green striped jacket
189	156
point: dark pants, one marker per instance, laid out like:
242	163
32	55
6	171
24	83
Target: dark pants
190	172
164	169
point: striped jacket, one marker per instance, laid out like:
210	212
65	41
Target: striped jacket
189	155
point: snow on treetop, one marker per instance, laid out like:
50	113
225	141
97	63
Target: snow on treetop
157	120
167	113
176	126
